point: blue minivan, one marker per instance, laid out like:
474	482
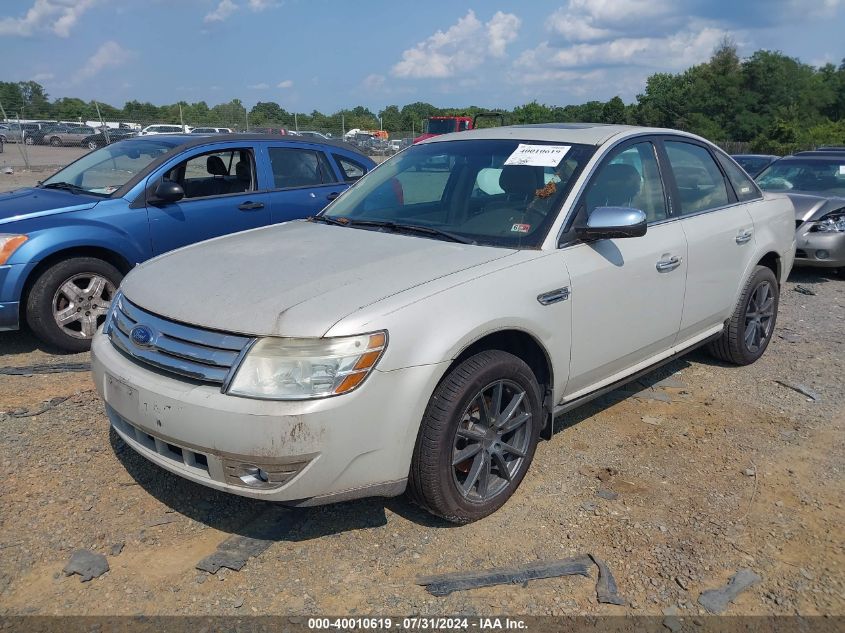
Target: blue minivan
66	244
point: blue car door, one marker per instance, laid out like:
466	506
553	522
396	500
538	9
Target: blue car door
223	194
303	180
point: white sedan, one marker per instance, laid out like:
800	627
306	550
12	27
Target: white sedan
425	329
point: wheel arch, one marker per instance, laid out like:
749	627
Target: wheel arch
772	261
112	257
524	346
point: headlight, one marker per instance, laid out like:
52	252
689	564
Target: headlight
303	368
833	222
9	244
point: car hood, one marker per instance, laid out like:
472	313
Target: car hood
812	206
22	204
293	279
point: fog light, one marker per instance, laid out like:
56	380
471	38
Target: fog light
253	476
822	254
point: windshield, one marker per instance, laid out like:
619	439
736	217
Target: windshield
104	171
470	189
816	175
441	126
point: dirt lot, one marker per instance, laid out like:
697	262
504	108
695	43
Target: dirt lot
713	469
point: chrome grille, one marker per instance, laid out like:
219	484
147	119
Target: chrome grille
185	350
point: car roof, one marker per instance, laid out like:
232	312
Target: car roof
580	133
754	156
815	157
185	141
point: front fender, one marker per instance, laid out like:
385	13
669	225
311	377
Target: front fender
437	327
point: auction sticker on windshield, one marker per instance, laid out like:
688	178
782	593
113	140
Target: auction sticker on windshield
538	155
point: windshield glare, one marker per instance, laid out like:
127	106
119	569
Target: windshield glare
104	171
817	176
465	188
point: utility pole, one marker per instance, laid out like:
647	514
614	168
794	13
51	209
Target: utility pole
295	122
246	112
102	123
343	125
181	120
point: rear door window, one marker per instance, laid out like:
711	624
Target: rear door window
293	167
700	183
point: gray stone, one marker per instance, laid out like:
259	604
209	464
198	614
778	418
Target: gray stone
717	600
607	494
116	549
87	564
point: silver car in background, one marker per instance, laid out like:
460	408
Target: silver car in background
815	182
425	329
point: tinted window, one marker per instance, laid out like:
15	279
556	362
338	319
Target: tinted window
631	178
299	168
350	169
701	185
744	187
215	173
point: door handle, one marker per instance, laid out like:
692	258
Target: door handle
744	236
332	195
667	264
251	206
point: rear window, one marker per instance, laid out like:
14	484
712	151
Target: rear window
744	187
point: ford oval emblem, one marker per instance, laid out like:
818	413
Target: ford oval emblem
142	336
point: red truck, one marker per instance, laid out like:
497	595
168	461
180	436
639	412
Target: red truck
436	125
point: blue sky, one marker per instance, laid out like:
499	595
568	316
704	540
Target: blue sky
322	54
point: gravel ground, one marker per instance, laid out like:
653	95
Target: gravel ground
716	469
708	470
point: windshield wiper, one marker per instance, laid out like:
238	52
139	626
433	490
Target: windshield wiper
329	220
412	228
66	186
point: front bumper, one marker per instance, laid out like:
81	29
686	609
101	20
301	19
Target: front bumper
12	277
825	250
316	451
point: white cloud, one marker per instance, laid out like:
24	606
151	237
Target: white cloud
502	29
261	5
575	28
40	77
374	82
109	55
58	16
261	86
463	46
287	83
224	9
675	51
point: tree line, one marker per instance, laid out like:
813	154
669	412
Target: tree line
769	102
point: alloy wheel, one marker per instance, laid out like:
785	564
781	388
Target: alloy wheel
81	303
759	316
492	441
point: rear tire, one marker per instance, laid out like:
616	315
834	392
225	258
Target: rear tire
76	292
749	329
477	438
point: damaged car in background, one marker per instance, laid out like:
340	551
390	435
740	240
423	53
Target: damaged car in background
424	330
815	182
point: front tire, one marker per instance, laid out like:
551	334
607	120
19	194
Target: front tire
69	301
477	438
56	141
92	145
750	327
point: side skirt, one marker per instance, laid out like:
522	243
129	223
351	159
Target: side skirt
559	410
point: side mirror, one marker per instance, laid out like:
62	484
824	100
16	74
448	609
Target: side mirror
613	222
166	192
